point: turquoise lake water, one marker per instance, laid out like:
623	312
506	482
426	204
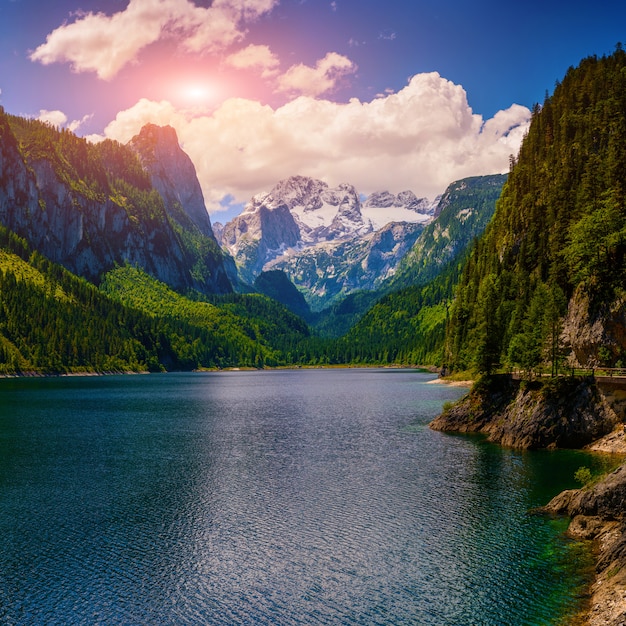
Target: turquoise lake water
272	497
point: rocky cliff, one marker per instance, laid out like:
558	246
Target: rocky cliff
562	413
91	207
173	175
595	333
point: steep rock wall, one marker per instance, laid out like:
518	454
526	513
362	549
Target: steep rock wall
89	228
569	413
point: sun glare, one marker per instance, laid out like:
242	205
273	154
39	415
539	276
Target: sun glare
197	93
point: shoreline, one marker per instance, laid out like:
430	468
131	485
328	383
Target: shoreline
420	368
606	604
451	383
575	415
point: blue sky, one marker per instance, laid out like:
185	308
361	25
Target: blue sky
379	93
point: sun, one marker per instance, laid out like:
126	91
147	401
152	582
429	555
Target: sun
197	92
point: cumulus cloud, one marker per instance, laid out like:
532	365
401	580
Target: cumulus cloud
59	119
314	81
299	79
104	44
421	138
56	118
255	57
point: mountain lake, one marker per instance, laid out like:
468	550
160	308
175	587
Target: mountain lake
272	497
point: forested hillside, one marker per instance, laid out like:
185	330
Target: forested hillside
405	327
462	214
54	322
546	283
245	329
543	288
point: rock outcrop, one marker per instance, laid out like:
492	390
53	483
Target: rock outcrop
598	513
173	175
596	334
406	199
258	235
566	413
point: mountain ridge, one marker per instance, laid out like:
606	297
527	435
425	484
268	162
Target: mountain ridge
92	206
331	242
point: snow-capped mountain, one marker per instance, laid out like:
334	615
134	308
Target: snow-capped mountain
300	213
383	207
331	242
328	271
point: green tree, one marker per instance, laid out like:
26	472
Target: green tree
487	349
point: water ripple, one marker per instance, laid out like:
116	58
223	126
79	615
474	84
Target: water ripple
259	498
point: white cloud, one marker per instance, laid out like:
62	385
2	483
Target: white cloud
59	119
255	57
421	138
104	44
299	79
314	81
56	118
74	125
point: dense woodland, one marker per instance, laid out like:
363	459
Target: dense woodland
559	232
54	322
558	236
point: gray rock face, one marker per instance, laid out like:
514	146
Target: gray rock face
573	415
330	271
297	191
258	236
407	199
320	236
348	221
381	200
606	499
173	175
588	330
89	233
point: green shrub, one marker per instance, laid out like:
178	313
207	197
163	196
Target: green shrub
583	475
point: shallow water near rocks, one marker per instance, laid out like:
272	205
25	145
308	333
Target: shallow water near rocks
272	497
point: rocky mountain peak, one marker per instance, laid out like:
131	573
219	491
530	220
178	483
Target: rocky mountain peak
300	191
349	220
380	200
300	213
405	199
173	175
